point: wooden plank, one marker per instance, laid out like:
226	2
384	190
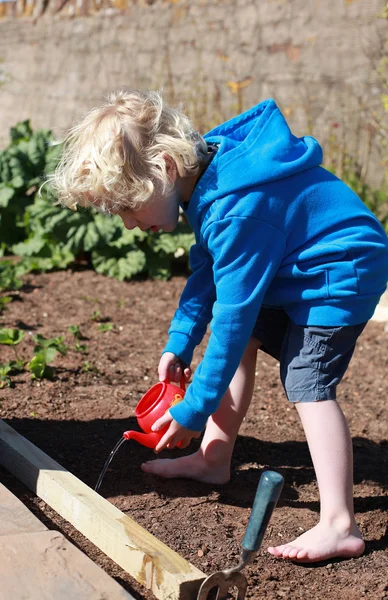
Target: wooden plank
45	566
15	517
138	552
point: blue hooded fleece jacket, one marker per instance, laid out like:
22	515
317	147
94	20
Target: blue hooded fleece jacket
272	227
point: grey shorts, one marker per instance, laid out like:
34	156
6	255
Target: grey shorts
313	359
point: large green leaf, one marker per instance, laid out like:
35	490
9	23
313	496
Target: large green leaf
170	243
91	236
30	247
120	268
6	193
21	130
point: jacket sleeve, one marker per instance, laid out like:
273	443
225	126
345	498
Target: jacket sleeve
195	306
246	255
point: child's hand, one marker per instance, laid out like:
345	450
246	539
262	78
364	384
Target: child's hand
175	434
172	368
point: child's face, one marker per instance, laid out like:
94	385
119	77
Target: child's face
159	212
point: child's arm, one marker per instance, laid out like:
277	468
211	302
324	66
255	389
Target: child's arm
195	307
247	253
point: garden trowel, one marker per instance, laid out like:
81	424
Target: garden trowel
267	495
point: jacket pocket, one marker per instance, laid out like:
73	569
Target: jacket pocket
329	265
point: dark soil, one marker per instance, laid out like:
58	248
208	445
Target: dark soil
78	417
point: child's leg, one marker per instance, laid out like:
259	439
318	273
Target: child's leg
211	463
330	446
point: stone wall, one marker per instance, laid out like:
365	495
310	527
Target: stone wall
317	58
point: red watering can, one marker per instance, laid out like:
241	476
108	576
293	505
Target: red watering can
157	401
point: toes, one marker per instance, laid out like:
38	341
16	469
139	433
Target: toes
287	551
293	553
276	550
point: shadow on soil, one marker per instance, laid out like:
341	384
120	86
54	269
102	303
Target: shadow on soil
82	447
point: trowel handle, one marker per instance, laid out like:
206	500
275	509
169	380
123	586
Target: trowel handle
267	495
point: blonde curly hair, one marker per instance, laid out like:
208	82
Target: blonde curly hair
115	157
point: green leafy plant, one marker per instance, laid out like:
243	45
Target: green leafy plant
11	337
105	327
96	316
46	236
45	351
82	348
5	369
121	303
88	367
43	344
38	365
90	299
22	165
16	366
4	300
9	368
75	330
9	276
58	237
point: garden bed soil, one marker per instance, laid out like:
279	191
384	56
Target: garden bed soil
78	416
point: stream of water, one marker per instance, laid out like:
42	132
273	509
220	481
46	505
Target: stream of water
109	460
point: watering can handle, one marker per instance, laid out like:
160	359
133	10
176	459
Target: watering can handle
267	495
182	383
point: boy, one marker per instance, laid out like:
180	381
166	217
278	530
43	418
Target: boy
287	259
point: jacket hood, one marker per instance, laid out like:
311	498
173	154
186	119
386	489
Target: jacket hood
255	147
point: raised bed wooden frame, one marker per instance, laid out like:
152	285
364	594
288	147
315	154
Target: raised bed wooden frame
143	556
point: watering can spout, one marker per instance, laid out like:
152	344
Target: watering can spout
149	440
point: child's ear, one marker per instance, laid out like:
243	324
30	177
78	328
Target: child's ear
171	168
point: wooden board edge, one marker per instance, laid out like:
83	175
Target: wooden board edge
148	560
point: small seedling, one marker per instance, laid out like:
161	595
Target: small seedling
11	337
4	379
8	278
45	351
9	368
121	303
105	327
39	367
3	301
90	299
83	348
76	331
96	316
43	344
88	367
17	366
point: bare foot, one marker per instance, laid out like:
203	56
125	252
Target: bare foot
193	466
321	543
